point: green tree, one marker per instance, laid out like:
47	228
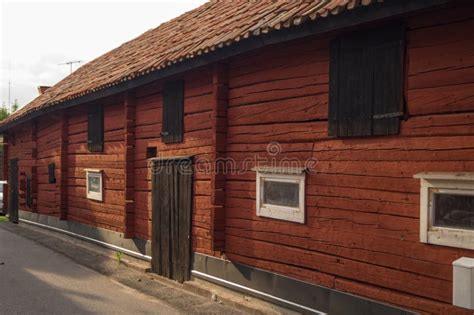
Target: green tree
15	106
4	112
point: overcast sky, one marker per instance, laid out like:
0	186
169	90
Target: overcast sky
37	36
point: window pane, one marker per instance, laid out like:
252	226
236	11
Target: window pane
451	210
281	194
94	183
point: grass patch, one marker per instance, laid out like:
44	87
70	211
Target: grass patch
3	218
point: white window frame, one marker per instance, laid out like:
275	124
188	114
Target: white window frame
293	214
452	183
92	194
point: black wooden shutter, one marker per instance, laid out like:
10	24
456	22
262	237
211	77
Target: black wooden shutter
333	87
387	53
353	113
51	173
95	129
29	197
173	111
366	83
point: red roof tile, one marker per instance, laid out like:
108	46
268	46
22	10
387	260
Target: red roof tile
207	28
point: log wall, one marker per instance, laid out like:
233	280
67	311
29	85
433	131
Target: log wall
108	214
22	146
48	144
132	123
362	202
198	141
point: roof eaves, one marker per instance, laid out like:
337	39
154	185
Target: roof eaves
252	37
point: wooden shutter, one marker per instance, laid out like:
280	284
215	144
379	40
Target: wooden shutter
366	83
51	173
333	87
95	129
173	107
353	88
29	197
387	53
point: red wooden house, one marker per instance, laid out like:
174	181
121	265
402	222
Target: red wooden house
315	153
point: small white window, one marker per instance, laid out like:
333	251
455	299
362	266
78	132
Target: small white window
94	184
280	194
447	209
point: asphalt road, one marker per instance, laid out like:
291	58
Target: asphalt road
37	280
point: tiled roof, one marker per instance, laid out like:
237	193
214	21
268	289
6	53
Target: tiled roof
209	27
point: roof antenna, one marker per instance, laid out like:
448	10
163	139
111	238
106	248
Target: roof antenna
9	85
70	63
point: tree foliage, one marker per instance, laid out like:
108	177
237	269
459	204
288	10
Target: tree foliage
15	106
5	112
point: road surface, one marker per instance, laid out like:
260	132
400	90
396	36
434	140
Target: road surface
37	280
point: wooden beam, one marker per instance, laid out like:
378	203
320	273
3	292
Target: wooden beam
220	87
33	171
61	170
129	164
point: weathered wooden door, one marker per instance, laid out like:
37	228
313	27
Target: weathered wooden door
13	191
171	217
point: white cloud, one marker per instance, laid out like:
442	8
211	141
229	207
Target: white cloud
37	36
